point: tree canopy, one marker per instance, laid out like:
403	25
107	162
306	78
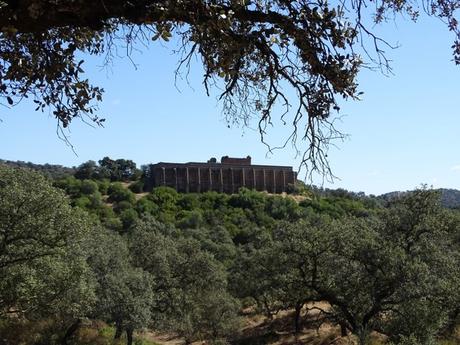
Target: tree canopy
198	265
291	60
43	269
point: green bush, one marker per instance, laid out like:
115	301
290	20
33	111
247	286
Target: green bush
88	187
164	197
96	201
282	208
189	219
119	193
122	206
128	217
145	206
113	223
248	199
188	202
103	186
70	185
83	202
137	187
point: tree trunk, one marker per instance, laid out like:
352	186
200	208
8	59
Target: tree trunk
297	319
268	312
453	322
70	331
363	336
129	336
118	330
343	329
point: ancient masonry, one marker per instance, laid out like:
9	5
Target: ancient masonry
227	176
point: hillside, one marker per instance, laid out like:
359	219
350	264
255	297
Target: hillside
53	171
91	256
450	198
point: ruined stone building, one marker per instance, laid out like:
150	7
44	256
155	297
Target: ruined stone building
227	176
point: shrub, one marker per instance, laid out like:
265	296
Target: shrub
103	186
128	217
113	223
82	202
137	187
122	206
119	193
164	197
145	206
189	219
71	185
88	187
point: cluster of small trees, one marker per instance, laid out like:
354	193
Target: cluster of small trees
396	273
236	212
188	262
113	170
57	264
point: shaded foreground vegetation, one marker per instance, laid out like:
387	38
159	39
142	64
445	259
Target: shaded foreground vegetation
83	249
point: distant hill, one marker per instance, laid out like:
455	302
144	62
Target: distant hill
449	197
52	171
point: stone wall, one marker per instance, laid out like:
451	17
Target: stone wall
236	161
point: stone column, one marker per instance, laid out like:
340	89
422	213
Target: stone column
164	176
274	181
284	180
265	182
254	178
244	179
175	176
199	180
210	179
221	178
187	180
233	180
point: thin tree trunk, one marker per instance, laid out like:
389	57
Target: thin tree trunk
129	336
267	310
70	331
297	319
118	330
343	329
363	337
453	322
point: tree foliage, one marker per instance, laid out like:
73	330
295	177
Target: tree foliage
190	285
43	269
186	263
290	60
393	274
124	292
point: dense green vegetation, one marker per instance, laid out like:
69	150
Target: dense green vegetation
84	246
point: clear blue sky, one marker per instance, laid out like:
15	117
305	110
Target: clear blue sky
403	133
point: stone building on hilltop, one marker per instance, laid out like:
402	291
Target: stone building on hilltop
226	177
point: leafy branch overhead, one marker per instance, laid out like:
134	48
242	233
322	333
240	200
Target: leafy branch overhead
289	60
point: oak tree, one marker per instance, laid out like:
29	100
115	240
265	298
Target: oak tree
272	59
43	268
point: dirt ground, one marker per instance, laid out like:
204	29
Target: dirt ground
258	330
